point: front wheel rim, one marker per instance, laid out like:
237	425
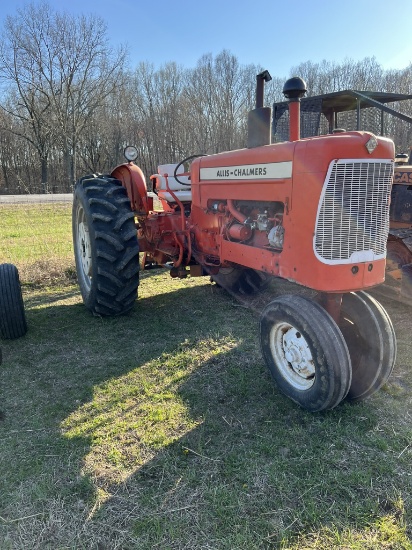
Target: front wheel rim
292	355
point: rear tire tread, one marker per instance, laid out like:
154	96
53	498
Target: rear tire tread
112	287
13	322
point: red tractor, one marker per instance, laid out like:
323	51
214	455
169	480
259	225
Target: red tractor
313	211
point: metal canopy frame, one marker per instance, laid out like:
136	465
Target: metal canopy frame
344	101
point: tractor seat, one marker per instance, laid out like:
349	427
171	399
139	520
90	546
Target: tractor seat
182	192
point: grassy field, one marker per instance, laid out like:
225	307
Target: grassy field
163	430
37	239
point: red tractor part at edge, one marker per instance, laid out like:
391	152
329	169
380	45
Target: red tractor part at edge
313	211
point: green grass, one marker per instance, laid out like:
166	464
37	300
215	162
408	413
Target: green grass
162	429
37	239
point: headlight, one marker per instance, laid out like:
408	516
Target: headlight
130	153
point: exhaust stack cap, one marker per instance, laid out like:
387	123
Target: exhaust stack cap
264	75
294	88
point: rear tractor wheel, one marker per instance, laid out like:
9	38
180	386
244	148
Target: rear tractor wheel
105	245
305	352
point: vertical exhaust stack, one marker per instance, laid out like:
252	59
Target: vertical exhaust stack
259	121
294	89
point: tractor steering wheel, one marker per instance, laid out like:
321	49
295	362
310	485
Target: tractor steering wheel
187	173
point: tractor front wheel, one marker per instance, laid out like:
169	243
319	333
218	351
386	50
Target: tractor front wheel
371	340
305	352
12	316
105	245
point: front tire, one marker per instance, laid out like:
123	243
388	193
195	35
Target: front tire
12	316
105	245
371	341
305	352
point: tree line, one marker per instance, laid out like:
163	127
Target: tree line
70	103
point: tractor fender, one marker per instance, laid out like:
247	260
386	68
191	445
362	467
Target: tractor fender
133	180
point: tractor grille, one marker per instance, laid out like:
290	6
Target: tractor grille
353	217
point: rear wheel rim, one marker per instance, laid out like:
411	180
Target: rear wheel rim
84	248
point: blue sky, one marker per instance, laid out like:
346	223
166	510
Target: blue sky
277	35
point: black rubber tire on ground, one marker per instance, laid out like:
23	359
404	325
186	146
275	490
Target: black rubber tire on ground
371	341
305	352
12	315
105	245
241	280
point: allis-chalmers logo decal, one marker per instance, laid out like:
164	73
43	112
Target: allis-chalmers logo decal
271	170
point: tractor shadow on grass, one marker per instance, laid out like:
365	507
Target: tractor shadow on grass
162	429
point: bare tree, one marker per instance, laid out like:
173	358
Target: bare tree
26	101
68	97
219	93
157	96
329	76
58	70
